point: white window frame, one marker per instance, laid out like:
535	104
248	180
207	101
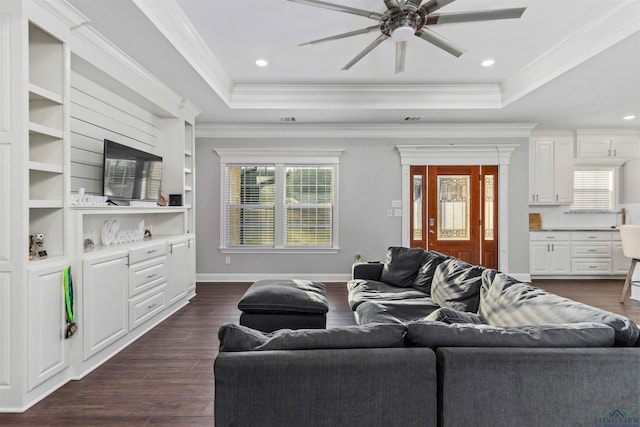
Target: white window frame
279	158
616	188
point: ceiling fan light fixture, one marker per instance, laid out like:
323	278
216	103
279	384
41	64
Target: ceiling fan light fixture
402	34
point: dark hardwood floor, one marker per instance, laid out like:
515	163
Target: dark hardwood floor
166	377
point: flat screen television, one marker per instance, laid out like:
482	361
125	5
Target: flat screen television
130	174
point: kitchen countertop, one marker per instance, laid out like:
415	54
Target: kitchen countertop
577	229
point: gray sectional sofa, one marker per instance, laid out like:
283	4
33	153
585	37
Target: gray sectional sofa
439	343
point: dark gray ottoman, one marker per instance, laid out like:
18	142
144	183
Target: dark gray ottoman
269	305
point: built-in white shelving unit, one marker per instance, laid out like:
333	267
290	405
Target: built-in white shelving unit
68	89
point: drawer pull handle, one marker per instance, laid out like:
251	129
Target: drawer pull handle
593	266
592	237
151	276
150	306
551	237
592	250
150	251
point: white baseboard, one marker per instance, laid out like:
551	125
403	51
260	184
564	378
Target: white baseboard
252	277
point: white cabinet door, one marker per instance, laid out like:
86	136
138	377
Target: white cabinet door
551	172
560	258
46	325
105	308
625	148
594	147
538	257
191	255
563	172
178	269
542	175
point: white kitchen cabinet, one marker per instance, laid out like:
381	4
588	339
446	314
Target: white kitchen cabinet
179	269
105	308
608	144
550	253
46	324
551	170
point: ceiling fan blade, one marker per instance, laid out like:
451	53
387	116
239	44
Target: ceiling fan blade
481	15
340	8
433	5
373	45
343	35
413	4
439	41
392	4
401	52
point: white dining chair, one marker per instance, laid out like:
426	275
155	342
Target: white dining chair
630	236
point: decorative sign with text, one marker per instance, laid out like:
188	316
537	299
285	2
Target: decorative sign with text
112	235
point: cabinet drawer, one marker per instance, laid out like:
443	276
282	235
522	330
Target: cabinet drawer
147	252
591	250
146	275
591	236
146	306
549	235
591	266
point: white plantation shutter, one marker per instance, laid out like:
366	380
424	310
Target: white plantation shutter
250	205
308	210
593	190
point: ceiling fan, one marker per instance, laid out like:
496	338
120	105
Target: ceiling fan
406	18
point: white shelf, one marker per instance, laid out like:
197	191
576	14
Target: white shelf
45	204
38	93
45	130
45	167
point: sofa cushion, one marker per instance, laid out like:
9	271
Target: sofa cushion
438	334
361	290
508	304
424	277
401	266
456	284
240	338
285	296
449	315
394	311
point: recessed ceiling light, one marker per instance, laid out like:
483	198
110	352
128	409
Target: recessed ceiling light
261	62
629	117
488	62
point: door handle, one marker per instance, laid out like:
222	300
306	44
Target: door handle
432	232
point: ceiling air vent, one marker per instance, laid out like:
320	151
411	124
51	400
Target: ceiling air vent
413	118
288	119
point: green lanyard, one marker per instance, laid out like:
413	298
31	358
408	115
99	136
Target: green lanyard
68	299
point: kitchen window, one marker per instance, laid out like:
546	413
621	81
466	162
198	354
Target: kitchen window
594	190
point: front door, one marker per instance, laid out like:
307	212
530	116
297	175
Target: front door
461	207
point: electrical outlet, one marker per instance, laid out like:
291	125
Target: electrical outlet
227	260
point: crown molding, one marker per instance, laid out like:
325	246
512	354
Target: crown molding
459	154
64	11
485	96
371	131
172	22
613	27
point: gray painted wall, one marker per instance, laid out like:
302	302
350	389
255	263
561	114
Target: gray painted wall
369	179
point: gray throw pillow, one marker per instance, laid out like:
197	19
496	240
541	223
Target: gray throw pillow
449	315
424	277
438	334
240	338
456	284
401	266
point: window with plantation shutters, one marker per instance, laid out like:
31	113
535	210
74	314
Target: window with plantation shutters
308	212
593	190
288	203
250	205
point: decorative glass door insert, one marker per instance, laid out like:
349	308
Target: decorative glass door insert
454	212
